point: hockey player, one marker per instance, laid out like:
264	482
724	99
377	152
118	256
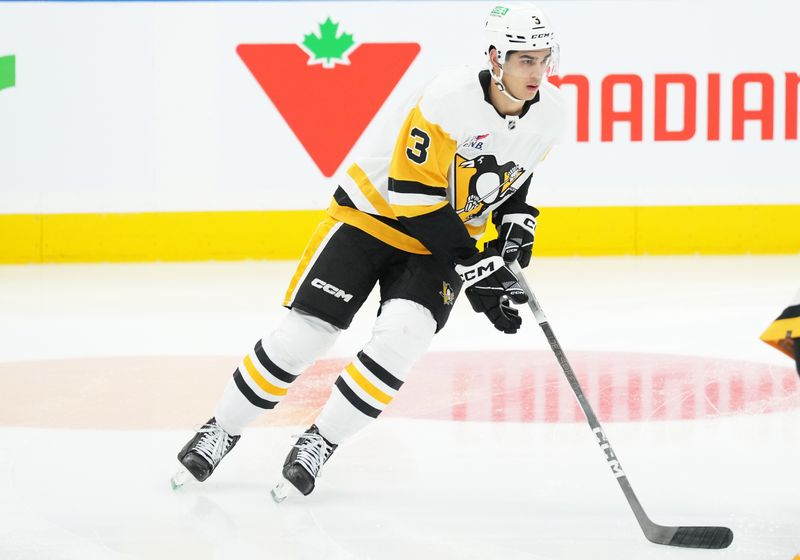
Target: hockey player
407	216
784	332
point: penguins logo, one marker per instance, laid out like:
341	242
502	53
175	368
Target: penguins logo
447	293
487	184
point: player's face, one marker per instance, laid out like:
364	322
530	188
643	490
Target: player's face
524	71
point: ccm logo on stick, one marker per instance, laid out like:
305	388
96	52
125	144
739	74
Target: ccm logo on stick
331	289
611	457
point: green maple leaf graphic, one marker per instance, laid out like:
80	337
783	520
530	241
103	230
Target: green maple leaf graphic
327	47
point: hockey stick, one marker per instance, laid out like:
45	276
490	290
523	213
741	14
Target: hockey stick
690	537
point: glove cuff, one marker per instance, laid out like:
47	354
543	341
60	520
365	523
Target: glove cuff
479	267
525	221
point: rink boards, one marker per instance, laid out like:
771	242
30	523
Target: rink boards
139	131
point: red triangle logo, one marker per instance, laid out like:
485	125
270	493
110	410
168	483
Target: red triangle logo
328	108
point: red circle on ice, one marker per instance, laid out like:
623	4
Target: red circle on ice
524	386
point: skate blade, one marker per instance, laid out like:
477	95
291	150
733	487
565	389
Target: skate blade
179	479
282	490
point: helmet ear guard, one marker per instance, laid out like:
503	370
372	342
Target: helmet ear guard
498	80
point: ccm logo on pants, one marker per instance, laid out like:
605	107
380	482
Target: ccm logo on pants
331	289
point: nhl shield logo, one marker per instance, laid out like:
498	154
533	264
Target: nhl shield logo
447	293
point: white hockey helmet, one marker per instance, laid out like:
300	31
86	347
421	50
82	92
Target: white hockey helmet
520	27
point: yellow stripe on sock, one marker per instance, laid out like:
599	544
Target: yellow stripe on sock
259	379
371	390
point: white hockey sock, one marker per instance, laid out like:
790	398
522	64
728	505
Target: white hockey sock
264	375
366	386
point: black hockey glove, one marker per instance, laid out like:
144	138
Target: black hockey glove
489	285
515	236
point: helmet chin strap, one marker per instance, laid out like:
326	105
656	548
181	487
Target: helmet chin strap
498	80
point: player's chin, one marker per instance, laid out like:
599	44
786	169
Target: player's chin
530	92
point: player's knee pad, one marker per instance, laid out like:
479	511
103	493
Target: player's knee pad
299	340
401	335
367	385
264	375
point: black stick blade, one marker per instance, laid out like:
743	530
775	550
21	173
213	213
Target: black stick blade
702	537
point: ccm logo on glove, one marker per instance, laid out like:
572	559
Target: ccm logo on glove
482	269
472	272
490	288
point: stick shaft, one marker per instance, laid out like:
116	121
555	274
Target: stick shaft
611	458
692	537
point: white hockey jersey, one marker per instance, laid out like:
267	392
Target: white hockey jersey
454	155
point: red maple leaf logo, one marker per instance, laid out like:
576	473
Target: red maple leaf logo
328	90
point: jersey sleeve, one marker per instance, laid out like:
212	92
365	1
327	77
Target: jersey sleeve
418	181
420	164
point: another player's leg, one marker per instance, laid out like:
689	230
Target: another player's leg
797	354
783	332
791	347
363	390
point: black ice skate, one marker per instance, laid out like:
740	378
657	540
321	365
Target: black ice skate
303	464
201	455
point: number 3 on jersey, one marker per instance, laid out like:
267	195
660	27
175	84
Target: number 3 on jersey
419	153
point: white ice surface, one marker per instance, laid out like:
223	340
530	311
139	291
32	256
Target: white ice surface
403	488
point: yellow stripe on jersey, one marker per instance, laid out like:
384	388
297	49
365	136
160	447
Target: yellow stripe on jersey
265	385
412	211
368	387
313	244
779	330
422	154
369	191
376	228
